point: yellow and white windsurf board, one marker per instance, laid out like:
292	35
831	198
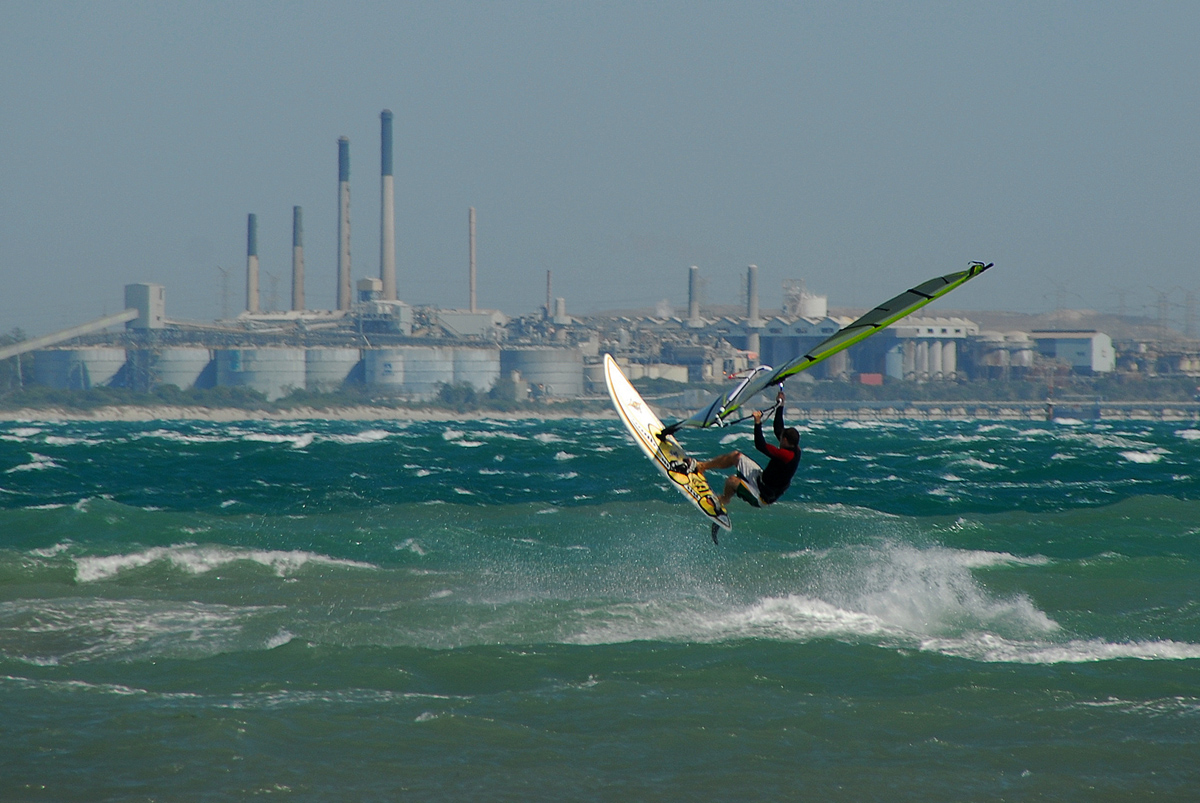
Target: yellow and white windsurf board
645	427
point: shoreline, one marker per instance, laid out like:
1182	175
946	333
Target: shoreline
135	413
814	411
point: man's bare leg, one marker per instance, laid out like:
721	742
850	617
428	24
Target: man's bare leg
731	486
728	460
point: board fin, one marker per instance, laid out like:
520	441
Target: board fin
716	528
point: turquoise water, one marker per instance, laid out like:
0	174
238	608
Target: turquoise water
524	611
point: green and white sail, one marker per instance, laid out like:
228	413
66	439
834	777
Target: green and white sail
719	411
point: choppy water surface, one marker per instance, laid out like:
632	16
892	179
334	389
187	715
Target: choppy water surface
524	611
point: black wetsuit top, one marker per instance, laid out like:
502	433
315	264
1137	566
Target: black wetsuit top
777	476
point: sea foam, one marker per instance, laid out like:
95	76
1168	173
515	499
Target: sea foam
196	559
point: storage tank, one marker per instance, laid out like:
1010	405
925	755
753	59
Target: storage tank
182	367
935	359
992	349
553	371
479	368
383	369
893	361
78	369
327	369
812	306
425	368
274	372
837	366
593	377
949	360
1020	349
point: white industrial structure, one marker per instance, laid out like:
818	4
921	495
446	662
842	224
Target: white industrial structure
1087	351
927	348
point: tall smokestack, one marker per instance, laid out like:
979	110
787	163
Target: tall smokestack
252	263
549	309
297	259
387	210
694	295
752	294
752	320
471	225
343	257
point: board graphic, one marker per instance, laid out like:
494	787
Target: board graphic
664	452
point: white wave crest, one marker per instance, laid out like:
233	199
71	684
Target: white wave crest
25	432
38	462
411	545
300	441
990	648
183	437
1152	456
368	436
196	559
975	462
895	596
279	639
788	618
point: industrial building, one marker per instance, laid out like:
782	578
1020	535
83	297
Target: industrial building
1085	351
375	340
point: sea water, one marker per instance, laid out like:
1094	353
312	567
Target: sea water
523	610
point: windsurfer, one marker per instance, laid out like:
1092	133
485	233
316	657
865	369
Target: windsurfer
760	486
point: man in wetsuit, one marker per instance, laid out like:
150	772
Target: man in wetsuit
761	486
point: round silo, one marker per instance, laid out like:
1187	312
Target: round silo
425	368
893	361
274	372
327	369
77	369
383	369
183	367
837	366
812	306
593	377
991	348
553	371
950	359
479	368
1020	349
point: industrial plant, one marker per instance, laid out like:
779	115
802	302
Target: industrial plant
375	340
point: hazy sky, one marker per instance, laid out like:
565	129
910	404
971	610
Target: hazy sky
860	147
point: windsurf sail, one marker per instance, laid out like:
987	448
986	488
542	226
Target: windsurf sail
720	410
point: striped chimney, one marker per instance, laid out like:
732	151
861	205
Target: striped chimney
343	257
387	210
297	259
252	263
